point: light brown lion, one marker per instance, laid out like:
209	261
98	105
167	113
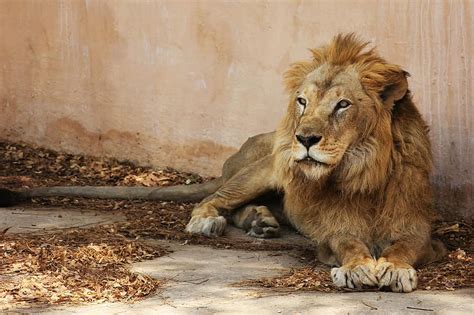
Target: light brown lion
351	158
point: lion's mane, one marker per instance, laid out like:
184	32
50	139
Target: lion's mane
384	175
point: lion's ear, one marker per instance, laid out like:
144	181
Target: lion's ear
396	87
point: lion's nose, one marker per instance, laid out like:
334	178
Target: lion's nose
309	140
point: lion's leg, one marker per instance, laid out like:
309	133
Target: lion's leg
257	221
395	265
249	183
254	149
357	265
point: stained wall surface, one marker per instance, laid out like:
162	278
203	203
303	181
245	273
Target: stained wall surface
184	83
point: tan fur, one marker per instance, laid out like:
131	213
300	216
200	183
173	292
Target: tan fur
369	194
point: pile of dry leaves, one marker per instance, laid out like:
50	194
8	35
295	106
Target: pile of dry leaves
24	166
72	266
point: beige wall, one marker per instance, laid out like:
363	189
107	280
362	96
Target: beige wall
183	83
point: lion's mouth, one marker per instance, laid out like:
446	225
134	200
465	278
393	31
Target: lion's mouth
310	161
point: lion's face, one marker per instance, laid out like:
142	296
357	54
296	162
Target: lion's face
330	112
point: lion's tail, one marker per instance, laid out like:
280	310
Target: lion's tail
183	193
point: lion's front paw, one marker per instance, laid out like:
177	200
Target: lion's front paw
209	226
354	276
398	277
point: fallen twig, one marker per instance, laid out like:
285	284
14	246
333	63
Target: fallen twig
372	308
420	309
197	281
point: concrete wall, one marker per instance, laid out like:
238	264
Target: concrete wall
183	83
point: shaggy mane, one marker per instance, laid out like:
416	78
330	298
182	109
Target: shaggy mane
345	50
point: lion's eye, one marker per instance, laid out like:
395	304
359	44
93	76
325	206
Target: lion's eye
342	104
301	101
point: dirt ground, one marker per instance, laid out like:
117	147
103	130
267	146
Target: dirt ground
91	262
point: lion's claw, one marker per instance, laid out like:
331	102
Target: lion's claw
399	279
356	277
342	277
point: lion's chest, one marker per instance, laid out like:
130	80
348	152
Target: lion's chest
320	214
304	215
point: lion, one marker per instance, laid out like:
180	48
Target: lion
350	163
352	158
